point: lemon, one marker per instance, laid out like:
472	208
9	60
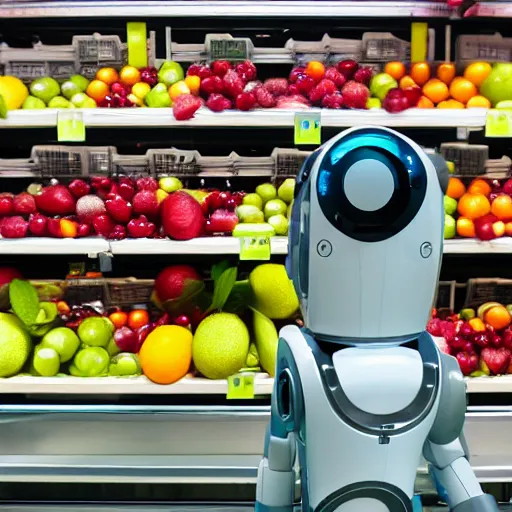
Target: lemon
274	294
13	91
178	89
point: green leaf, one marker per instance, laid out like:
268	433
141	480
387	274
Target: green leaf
239	298
24	301
222	289
218	269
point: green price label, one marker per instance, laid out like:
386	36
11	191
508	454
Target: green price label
255	248
70	126
241	386
229	49
498	123
308	128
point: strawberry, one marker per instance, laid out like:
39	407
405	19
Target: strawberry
37	224
264	98
211	85
103	225
199	70
221	221
335	76
323	88
24	204
182	216
276	86
141	227
363	75
304	84
186	106
468	362
233	84
295	73
246	71
348	68
496	359
79	188
146	183
355	95
220	67
119	209
245	101
334	101
6	204
145	203
14	227
218	103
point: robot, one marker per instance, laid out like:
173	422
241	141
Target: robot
362	391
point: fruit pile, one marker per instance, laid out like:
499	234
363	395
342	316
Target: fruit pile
221	86
483	209
480	340
139	208
192	328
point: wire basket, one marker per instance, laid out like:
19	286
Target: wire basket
100	160
384	47
173	162
80	291
469	159
98	49
60	161
493	48
288	162
481	290
445	295
130	165
128	292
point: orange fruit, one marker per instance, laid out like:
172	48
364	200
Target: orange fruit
424	102
446	72
68	228
508	228
98	90
465	228
456	188
436	91
166	354
498	317
479	186
138	318
477	72
129	75
420	73
193	83
462	90
498	228
478	102
177	89
395	69
107	75
477	325
501	207
315	70
407	81
119	319
451	104
473	206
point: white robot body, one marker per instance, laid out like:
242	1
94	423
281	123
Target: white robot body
362	390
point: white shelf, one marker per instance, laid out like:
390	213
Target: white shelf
499	384
205	9
276	118
123	386
91	246
472	246
214	245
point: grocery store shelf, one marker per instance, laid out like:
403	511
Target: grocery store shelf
276	118
91	246
499	9
122	386
473	246
205	9
499	384
214	245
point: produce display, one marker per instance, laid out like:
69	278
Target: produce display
128	207
481	339
481	210
212	328
222	86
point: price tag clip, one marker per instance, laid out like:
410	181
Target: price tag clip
70	126
498	123
255	248
241	386
308	128
226	47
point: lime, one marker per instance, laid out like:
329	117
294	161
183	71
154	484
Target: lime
68	89
170	72
266	191
450	205
279	223
450	227
95	331
45	88
124	365
286	190
32	103
63	340
90	362
46	361
60	102
274	207
170	184
253	200
80	81
249	214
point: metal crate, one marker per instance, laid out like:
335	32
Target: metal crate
469	159
60	161
288	162
173	162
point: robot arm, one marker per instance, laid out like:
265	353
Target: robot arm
447	451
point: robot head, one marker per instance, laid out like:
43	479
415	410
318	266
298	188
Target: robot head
366	237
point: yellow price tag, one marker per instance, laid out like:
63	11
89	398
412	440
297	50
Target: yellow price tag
241	386
136	35
498	123
70	126
255	247
308	128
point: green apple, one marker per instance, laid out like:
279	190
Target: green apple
90	362
45	88
158	97
125	365
170	72
46	361
81	100
170	184
32	103
450	227
279	223
68	89
95	331
286	190
274	207
80	81
253	200
266	191
112	348
60	102
450	205
63	340
373	104
381	84
249	214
